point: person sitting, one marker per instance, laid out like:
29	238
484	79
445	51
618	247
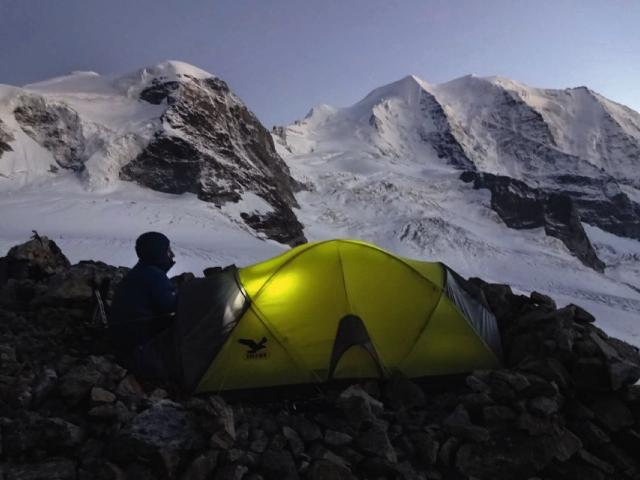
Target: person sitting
144	306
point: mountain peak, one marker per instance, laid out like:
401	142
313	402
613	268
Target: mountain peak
174	70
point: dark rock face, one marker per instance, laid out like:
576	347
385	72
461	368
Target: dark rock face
442	139
524	207
55	127
5	138
69	411
38	258
213	146
602	202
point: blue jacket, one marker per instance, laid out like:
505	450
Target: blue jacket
145	298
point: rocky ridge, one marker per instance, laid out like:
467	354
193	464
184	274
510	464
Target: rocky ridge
56	127
213	146
172	128
523	207
565	404
572	142
5	138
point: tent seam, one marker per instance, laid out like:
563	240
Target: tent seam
277	270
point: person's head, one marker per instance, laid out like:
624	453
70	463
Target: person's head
154	248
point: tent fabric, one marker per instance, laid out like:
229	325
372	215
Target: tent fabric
208	310
473	309
330	309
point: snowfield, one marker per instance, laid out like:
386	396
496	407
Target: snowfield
368	172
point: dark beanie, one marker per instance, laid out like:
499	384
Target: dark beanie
152	247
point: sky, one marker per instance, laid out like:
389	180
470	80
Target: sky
284	56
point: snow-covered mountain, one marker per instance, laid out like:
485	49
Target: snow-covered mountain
173	128
535	188
572	141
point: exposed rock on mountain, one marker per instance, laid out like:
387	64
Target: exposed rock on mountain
55	127
604	203
211	145
564	405
5	138
523	207
172	127
572	142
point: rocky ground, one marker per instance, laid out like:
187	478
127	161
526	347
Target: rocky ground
564	406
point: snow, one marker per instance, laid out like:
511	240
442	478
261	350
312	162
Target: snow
104	227
372	177
382	184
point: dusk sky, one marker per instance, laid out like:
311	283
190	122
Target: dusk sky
284	56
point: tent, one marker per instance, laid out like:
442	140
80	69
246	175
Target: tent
328	310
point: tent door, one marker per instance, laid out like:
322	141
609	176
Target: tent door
352	332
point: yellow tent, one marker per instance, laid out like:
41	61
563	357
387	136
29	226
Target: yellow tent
331	309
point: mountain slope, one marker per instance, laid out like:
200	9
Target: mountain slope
92	161
172	127
389	168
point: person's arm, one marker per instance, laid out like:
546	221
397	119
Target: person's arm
163	295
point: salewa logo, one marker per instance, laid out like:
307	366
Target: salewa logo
256	349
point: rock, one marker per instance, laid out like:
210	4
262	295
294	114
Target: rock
591	435
591	374
278	464
100	395
497	416
375	467
447	451
506	457
575	468
580	315
165	427
629	440
620	459
516	380
73	287
356	391
623	373
36	259
566	445
374	441
523	207
459	425
240	457
296	445
43	385
99	469
231	472
474	400
51	469
534	425
260	442
34	431
158	394
544	300
324	454
476	384
278	442
337	439
325	470
222	152
225	434
544	406
129	388
596	462
401	393
611	412
76	384
427	447
307	430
